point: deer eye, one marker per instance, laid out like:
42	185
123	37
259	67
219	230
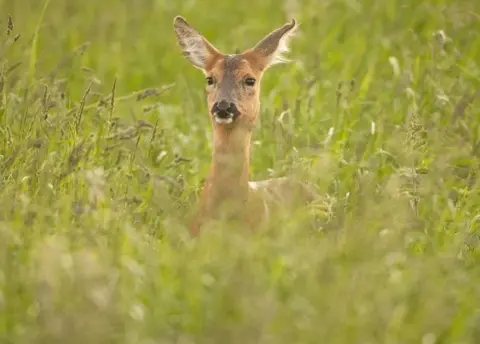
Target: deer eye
210	81
250	81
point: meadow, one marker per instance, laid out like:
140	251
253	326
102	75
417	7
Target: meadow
105	141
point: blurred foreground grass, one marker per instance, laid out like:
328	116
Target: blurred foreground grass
104	142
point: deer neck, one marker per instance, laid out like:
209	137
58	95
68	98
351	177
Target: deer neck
227	192
230	164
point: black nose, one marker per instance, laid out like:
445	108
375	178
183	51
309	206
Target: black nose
224	109
223	105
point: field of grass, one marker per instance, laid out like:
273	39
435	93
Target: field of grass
105	142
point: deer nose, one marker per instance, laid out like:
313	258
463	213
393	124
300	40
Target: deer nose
224	109
223	105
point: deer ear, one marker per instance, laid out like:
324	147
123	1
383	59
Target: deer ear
271	48
196	48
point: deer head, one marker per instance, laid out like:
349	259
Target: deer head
233	80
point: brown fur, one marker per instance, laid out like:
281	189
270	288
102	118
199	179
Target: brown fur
227	193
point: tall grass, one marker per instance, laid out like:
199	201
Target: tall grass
105	141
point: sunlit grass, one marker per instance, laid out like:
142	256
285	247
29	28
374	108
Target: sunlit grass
104	144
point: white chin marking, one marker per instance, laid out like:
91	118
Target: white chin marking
224	120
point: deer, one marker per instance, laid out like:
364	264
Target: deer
233	98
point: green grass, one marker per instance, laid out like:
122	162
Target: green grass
381	113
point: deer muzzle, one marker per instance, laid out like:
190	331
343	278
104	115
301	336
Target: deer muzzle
224	112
